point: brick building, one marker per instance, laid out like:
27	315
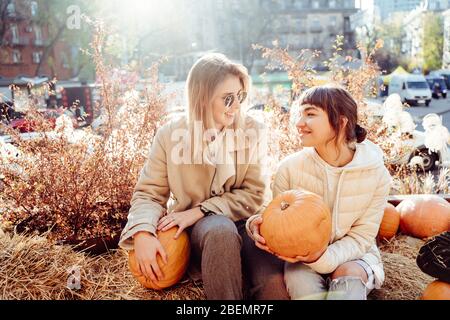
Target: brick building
23	42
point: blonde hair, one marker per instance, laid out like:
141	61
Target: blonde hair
203	78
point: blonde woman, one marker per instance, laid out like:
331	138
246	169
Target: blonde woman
204	174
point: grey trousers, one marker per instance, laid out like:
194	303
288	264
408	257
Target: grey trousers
230	266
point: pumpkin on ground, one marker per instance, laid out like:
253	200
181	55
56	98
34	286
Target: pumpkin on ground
437	290
296	223
390	223
424	216
177	250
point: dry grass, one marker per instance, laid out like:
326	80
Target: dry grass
35	268
404	245
404	280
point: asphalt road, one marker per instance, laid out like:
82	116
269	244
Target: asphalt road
439	106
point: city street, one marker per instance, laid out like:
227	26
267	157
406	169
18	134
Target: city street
439	106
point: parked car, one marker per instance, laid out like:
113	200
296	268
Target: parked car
430	159
412	88
437	86
26	125
442	73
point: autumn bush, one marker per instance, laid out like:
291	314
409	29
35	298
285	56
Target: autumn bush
77	184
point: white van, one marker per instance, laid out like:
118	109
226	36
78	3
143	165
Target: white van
412	88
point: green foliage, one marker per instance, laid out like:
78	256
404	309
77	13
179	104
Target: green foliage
433	41
391	33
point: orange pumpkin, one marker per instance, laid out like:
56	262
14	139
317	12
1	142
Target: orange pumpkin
177	251
437	290
424	216
296	223
390	223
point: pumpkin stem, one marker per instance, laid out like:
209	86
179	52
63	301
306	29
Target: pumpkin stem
284	205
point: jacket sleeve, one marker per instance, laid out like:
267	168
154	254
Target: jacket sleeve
241	203
281	181
360	237
150	196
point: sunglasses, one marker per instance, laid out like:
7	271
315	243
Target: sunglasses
229	99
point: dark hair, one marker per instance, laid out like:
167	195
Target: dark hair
337	103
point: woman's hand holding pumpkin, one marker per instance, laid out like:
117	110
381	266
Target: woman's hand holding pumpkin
146	247
182	219
310	258
260	242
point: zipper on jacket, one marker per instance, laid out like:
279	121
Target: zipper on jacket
336	202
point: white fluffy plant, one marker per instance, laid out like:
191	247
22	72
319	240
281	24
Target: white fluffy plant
400	127
436	135
395	117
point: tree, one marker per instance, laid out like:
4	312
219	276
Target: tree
391	32
251	23
54	16
433	41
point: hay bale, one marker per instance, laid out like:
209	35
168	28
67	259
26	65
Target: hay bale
404	280
34	268
403	245
108	277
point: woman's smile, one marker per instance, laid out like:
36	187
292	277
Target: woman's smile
303	133
230	115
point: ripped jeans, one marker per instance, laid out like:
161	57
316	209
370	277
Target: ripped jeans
303	283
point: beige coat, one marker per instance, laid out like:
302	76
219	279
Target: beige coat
165	185
358	208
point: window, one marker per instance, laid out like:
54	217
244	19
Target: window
17	58
11	9
37	57
299	5
315	23
14	33
65	61
315	4
349	4
302	23
333	21
38	34
34	8
276	24
299	24
332	4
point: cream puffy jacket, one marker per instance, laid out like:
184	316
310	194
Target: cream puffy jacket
361	195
